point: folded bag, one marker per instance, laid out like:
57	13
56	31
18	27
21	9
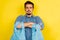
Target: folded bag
19	34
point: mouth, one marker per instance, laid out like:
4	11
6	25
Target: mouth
28	12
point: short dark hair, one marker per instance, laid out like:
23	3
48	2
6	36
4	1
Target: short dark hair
28	2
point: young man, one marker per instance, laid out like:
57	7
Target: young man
29	19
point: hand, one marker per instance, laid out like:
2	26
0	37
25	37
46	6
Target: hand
31	23
18	26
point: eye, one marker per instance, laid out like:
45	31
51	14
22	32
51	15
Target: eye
30	7
26	7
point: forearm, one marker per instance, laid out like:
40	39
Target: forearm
40	27
26	24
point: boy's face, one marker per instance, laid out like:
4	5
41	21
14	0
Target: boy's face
29	9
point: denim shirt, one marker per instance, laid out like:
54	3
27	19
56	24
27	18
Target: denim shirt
28	31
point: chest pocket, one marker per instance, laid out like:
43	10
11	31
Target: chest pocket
33	20
23	19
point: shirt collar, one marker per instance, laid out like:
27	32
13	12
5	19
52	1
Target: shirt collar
26	15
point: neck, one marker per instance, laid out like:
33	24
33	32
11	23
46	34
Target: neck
28	15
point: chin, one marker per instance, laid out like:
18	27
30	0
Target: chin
28	13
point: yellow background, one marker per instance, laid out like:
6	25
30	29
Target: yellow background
48	10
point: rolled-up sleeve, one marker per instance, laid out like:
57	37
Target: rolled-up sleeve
40	22
18	19
17	22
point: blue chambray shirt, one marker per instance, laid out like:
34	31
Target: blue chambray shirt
28	31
